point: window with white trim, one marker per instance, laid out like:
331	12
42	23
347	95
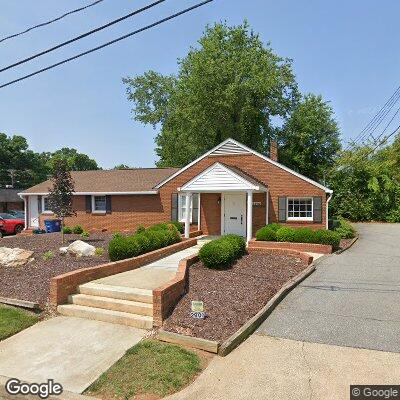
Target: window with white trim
182	207
45	205
99	204
300	209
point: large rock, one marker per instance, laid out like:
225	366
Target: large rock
14	257
80	248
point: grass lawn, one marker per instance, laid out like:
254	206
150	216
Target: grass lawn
13	320
149	368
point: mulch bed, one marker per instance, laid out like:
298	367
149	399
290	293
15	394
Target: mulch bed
32	281
231	297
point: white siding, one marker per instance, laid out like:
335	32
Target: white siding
217	178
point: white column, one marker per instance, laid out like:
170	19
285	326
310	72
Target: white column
26	211
187	216
249	215
266	206
198	213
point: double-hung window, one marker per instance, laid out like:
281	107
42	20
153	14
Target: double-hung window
300	209
182	208
99	204
45	205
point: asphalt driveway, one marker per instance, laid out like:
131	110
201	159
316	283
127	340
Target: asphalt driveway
353	299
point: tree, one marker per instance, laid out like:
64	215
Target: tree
231	85
310	138
122	166
76	161
61	194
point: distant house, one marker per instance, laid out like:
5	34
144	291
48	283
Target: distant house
10	200
230	189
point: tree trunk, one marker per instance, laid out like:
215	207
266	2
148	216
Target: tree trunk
62	230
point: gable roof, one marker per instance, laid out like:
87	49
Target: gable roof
231	146
117	181
219	177
10	196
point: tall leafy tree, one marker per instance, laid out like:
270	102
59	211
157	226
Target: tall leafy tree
310	139
76	161
61	194
230	85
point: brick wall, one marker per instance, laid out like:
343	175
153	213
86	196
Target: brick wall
308	247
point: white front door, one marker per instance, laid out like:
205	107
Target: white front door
33	212
234	214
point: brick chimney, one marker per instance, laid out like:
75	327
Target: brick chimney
273	150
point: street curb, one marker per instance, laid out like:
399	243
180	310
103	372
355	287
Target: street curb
251	325
340	251
66	395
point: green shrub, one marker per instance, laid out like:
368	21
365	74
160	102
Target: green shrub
274	226
85	234
117	235
304	235
285	234
266	234
67	230
323	236
77	229
140	229
48	255
153	238
99	251
179	225
222	252
345	230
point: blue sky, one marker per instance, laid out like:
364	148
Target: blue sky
344	50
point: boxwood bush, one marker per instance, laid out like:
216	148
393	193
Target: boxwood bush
266	233
77	229
345	230
285	234
304	235
274	226
179	225
153	238
221	253
323	236
67	230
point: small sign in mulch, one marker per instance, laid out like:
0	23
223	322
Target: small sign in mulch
197	308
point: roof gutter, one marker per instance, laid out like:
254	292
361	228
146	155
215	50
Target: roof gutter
22	194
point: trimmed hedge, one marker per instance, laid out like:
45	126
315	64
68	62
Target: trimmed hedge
299	235
77	229
179	225
67	230
266	233
153	238
221	253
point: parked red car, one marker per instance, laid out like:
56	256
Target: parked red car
10	224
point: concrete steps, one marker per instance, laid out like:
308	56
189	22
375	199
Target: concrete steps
117	292
108	303
101	314
115	304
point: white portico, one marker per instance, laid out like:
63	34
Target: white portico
236	190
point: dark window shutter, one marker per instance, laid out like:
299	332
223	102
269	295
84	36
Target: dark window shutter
108	204
317	209
174	207
88	204
40	204
195	208
282	209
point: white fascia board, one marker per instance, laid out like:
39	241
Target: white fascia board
249	186
312	182
95	193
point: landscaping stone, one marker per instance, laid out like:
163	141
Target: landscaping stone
63	250
80	248
14	257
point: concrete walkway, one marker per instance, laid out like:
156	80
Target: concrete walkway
281	369
152	275
353	299
72	351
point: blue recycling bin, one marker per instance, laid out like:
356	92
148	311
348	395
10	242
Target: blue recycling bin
52	225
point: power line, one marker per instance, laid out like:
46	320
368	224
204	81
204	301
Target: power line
91	32
108	43
51	21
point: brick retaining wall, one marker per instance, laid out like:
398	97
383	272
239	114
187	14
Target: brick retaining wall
307	247
166	296
63	285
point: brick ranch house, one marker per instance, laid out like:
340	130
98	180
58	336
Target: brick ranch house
229	189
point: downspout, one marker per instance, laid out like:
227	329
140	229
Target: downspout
327	209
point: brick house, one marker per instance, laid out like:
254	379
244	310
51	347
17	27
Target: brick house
229	189
10	201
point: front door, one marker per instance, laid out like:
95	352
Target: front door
235	214
33	212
